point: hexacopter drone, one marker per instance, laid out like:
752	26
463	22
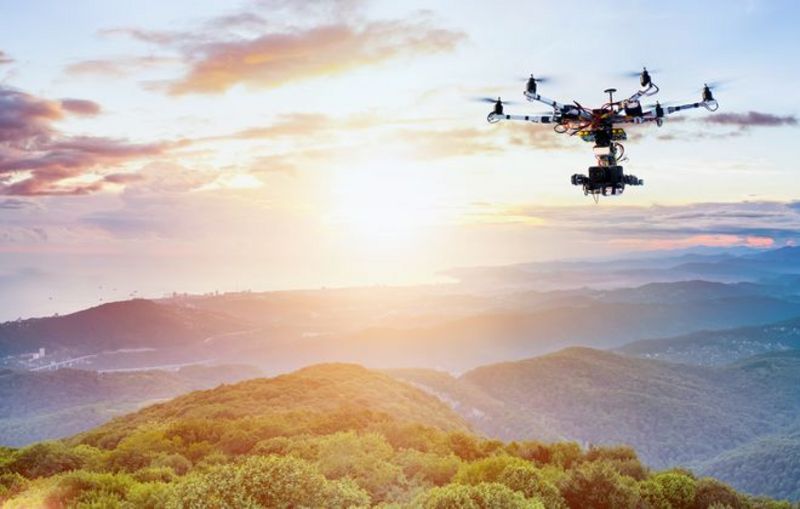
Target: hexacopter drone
598	126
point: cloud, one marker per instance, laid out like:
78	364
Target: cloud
10	234
732	125
16	204
751	119
326	38
443	143
80	106
5	59
289	126
123	178
239	20
159	37
25	117
37	159
649	227
118	66
276	59
542	137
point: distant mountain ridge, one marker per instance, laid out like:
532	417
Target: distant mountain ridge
719	347
432	328
116	325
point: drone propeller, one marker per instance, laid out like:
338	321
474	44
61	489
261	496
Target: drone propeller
538	79
717	84
636	74
492	100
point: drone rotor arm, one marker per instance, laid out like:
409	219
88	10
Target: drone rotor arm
651	90
536	119
550	102
711	105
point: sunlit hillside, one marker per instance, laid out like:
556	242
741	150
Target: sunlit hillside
334	436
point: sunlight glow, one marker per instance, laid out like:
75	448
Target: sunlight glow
383	202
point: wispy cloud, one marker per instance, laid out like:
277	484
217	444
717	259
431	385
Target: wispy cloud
5	59
243	48
80	106
670	226
37	159
118	67
16	204
273	60
751	119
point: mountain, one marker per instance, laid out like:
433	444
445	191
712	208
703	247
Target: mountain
53	404
672	414
337	436
321	388
491	337
686	291
727	266
137	323
721	346
415	326
767	465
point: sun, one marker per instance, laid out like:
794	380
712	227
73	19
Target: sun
385	203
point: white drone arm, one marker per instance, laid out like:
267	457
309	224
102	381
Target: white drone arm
657	113
651	90
536	119
709	105
554	104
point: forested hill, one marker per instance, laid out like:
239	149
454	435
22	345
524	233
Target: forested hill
320	388
336	436
672	414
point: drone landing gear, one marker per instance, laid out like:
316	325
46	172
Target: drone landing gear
605	181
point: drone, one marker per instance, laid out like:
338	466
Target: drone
599	126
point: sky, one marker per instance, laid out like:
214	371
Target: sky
192	146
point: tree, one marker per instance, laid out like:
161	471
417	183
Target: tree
529	481
465	446
269	481
45	459
597	485
428	467
487	469
481	496
677	488
652	496
90	489
10	484
710	491
365	458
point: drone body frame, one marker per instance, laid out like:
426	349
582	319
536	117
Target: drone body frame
600	126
